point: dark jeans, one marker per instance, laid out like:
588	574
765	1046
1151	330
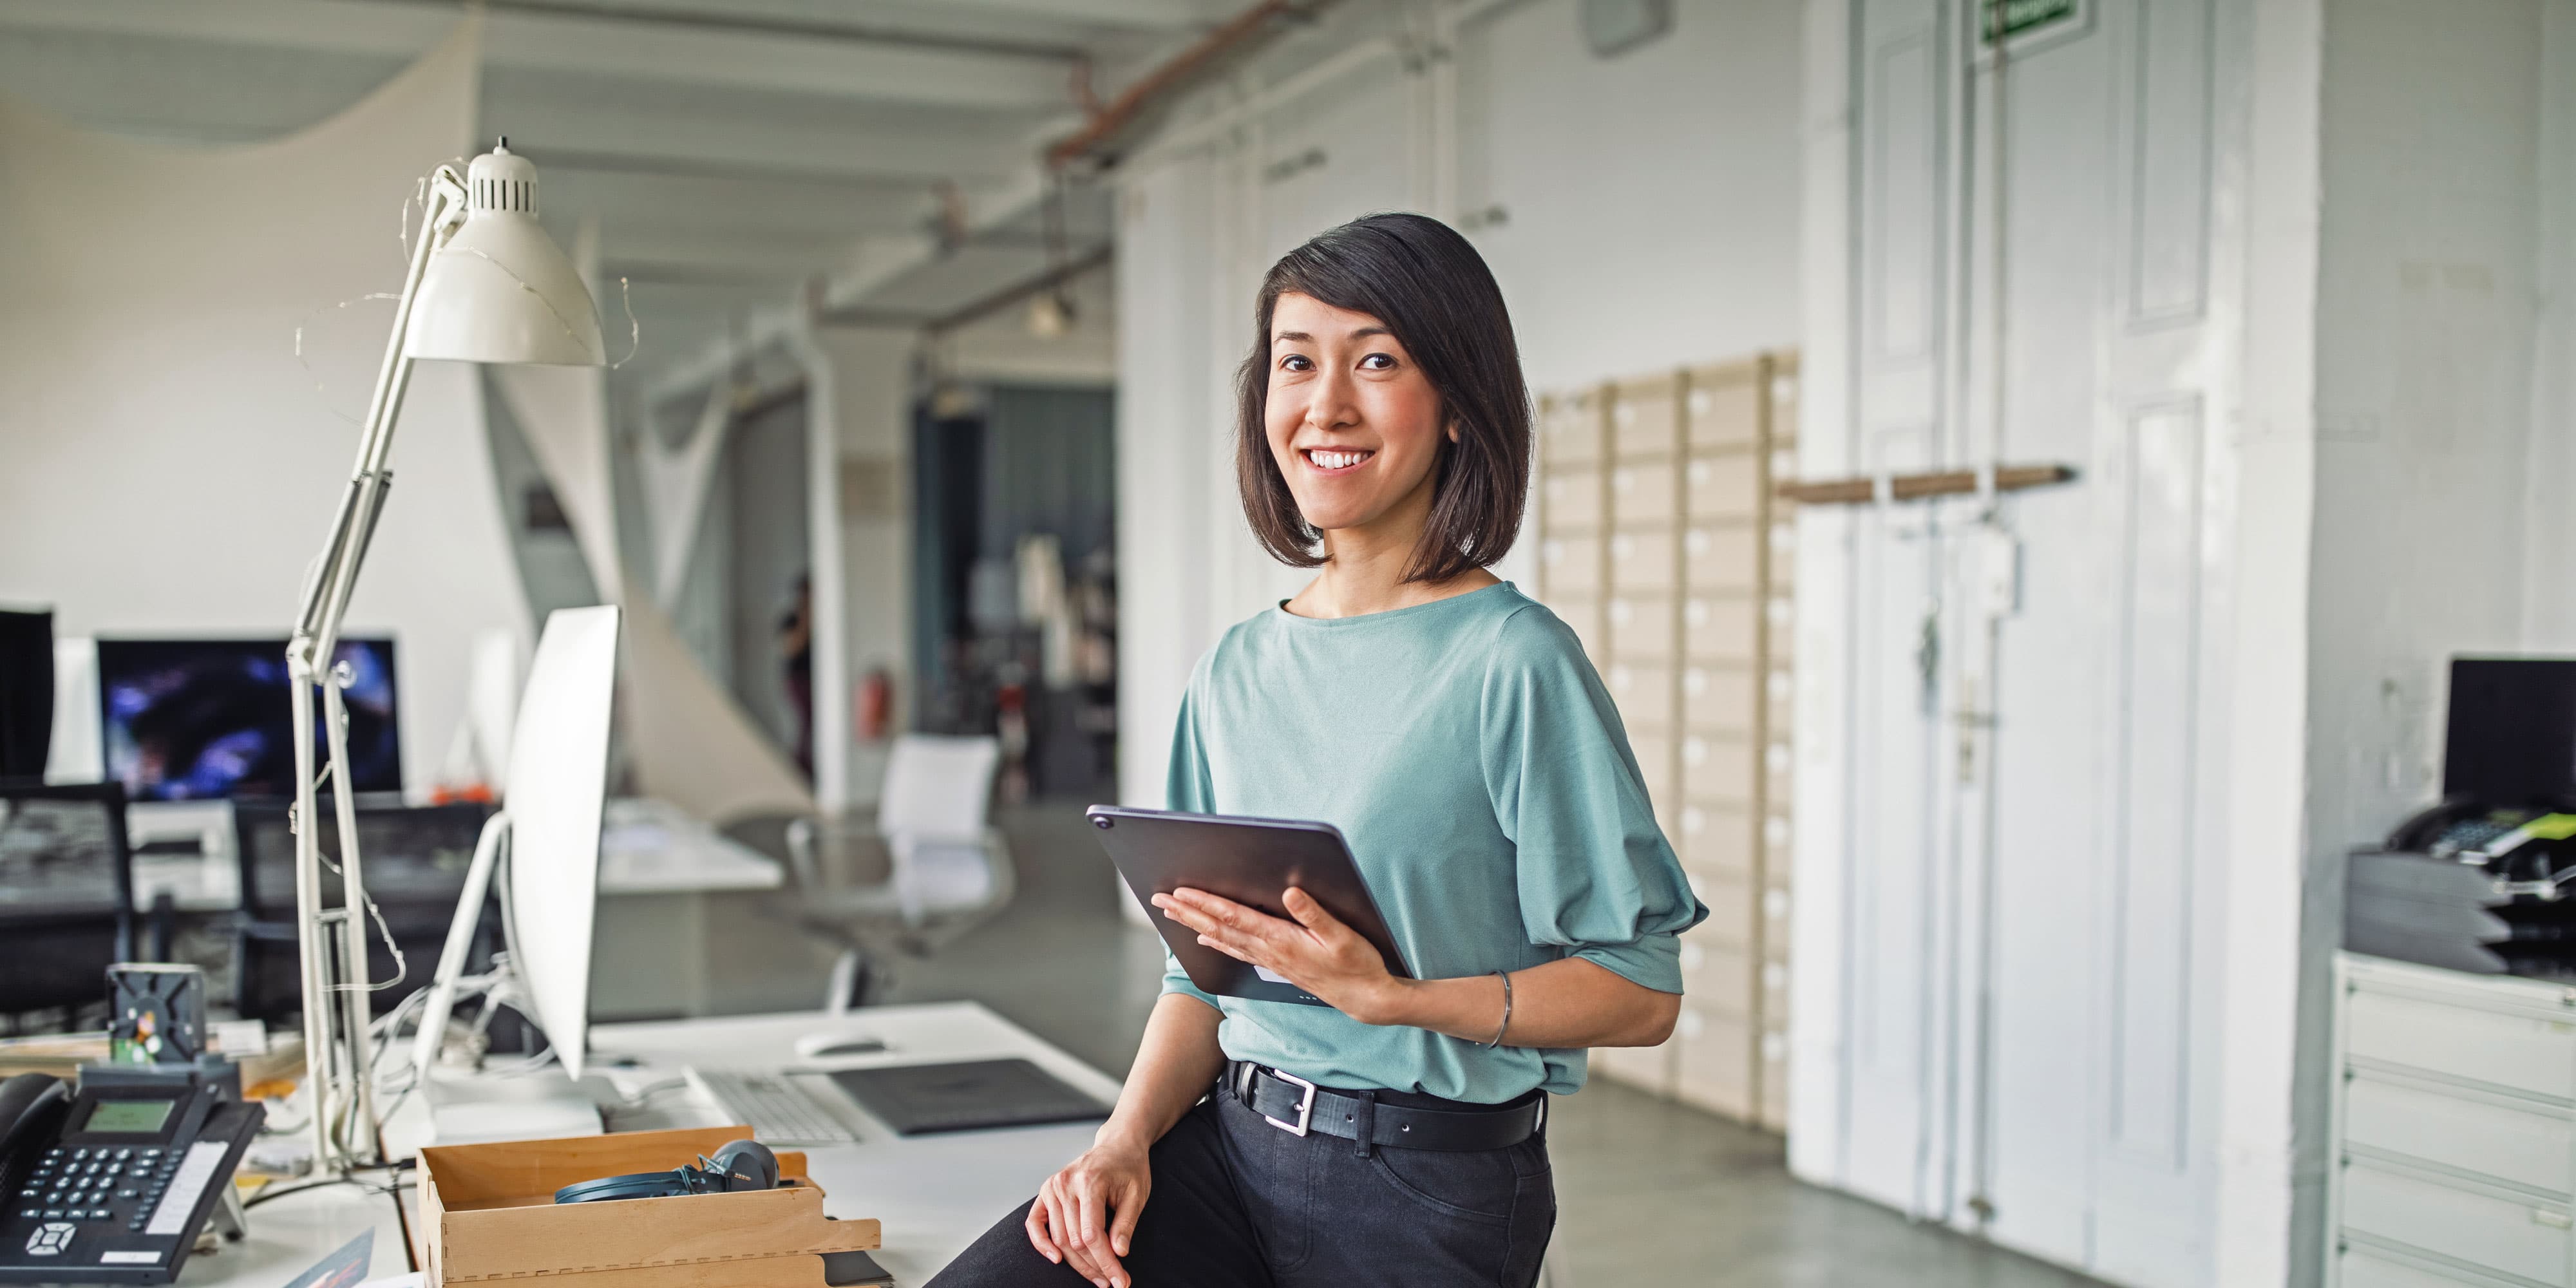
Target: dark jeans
1237	1201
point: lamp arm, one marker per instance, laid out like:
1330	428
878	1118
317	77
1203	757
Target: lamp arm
333	576
329	1053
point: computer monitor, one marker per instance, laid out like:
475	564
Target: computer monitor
208	719
2511	737
26	692
549	826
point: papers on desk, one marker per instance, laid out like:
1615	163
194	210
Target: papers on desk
345	1267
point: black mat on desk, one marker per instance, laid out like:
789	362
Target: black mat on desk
973	1095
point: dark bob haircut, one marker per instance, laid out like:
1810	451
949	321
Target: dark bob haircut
1422	280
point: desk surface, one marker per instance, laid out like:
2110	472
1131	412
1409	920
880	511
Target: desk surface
292	1232
934	1194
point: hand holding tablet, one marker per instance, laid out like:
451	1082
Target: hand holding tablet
1203	877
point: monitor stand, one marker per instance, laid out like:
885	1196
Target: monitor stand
471	1110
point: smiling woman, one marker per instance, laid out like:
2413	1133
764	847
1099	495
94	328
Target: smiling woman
1385	336
1452	729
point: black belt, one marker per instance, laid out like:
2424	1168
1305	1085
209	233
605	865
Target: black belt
1296	1106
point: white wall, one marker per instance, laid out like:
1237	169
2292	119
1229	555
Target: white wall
1648	217
167	465
2429	288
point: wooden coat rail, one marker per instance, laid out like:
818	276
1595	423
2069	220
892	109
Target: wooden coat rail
1917	487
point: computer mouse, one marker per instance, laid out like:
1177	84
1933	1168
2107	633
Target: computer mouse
823	1046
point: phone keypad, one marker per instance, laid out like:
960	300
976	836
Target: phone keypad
96	1183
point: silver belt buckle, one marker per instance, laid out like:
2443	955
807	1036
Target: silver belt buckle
1305	1106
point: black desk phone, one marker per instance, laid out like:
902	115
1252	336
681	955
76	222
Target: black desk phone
111	1181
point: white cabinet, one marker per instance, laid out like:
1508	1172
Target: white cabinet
2454	1128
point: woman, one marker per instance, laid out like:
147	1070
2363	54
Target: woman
1452	729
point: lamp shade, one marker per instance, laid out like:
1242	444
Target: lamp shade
500	290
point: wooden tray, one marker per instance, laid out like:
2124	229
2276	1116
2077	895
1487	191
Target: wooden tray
487	1212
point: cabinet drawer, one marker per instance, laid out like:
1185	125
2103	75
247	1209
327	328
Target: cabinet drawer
1725	409
1570	498
1731	904
1644	692
1644	492
2524	1052
2362	1267
1717	976
2515	1237
1721	558
1717	768
1654	751
1719	699
1570	430
1644	419
1643	561
1718	628
1569	567
1716	837
1715	1066
1642	628
1722	487
2527	1147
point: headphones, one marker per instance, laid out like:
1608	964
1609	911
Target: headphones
739	1167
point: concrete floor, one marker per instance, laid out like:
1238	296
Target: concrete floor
1648	1192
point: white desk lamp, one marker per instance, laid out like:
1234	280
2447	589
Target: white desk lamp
486	284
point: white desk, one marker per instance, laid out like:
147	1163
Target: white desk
650	847
934	1194
288	1235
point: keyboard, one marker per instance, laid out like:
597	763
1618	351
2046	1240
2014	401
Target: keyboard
779	1111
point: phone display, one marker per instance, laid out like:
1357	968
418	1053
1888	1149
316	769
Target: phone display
122	1116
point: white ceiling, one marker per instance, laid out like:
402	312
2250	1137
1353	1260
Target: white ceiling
731	150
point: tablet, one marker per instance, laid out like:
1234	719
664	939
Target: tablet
1252	861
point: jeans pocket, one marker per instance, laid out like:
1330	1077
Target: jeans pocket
1475	1185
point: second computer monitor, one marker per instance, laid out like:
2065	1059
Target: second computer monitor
206	719
2511	739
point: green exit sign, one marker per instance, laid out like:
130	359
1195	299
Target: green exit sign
2009	18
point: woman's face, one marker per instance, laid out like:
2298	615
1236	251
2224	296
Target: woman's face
1353	425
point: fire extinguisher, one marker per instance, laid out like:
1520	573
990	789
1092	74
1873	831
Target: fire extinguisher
876	705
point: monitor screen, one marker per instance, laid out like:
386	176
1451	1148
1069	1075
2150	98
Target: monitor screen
2511	739
208	719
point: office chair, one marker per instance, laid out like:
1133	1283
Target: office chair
66	896
948	869
416	859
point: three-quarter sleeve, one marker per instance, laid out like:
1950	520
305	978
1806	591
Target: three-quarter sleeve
1187	787
1597	878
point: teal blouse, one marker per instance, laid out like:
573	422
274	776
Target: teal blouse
1469	753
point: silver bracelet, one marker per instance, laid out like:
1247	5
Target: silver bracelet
1506	1025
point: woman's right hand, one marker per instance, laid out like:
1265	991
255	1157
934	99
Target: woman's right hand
1085	1213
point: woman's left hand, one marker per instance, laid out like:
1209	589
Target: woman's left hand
1316	952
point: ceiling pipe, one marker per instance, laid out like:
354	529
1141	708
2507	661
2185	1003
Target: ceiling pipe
730	22
1157	88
